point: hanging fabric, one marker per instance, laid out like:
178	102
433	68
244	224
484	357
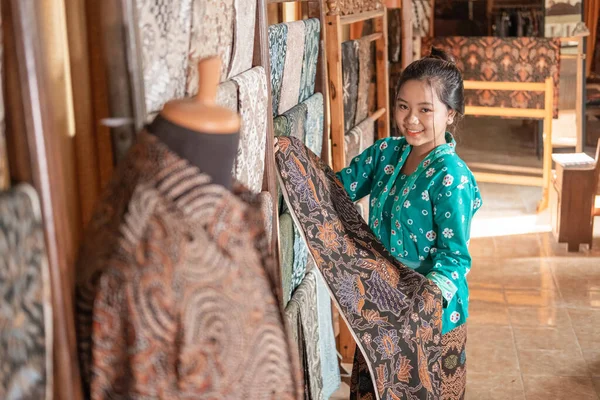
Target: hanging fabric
364	77
286	244
394	34
212	34
200	294
292	71
350	78
359	138
227	95
312	29
422	17
26	312
305	297
165	43
266	206
353	145
277	51
296	117
300	259
250	161
379	297
243	44
314	123
327	345
281	126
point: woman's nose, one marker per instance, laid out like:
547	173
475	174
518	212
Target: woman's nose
412	119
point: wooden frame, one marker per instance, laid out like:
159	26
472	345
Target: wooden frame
333	24
544	114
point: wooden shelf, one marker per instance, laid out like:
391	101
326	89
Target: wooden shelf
350	19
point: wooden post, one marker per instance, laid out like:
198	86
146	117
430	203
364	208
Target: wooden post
383	95
336	87
547	159
407	33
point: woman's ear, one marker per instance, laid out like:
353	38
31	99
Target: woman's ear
451	115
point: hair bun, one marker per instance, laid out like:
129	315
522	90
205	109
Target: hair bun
440	55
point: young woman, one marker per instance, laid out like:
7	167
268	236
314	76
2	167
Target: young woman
423	196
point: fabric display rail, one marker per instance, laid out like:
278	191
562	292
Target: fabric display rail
512	91
298	111
349	74
393	312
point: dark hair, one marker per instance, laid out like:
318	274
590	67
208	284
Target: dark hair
442	74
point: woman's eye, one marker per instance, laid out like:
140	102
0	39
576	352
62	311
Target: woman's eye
402	107
426	110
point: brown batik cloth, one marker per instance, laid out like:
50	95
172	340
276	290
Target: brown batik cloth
393	312
454	369
175	292
494	59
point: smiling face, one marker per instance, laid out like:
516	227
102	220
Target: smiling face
421	116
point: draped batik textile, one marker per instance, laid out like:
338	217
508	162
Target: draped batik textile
523	59
300	259
350	81
314	123
266	203
175	289
212	34
292	70
164	33
359	138
277	50
394	34
364	78
286	245
227	95
393	312
26	311
243	44
296	117
250	161
312	29
327	346
305	296
422	11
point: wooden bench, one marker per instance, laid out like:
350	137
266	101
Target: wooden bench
573	198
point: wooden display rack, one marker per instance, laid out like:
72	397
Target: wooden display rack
333	27
544	114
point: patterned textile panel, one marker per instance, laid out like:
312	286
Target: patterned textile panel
350	79
277	50
312	28
381	299
394	34
243	46
314	123
327	346
504	59
300	259
352	146
359	138
365	76
306	299
286	244
26	312
281	126
292	70
212	33
227	95
266	206
422	17
297	118
164	30
347	7
250	160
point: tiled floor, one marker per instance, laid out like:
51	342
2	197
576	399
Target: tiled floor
534	324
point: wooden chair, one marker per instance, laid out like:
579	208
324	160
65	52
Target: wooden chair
572	198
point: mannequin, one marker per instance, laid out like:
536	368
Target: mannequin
200	131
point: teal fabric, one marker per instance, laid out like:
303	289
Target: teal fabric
300	259
277	51
296	118
312	29
281	126
422	218
314	123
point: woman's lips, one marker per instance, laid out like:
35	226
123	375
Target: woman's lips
412	132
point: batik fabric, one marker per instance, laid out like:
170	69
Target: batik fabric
26	312
393	312
175	293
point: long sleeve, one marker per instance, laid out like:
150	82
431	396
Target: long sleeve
357	177
455	202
